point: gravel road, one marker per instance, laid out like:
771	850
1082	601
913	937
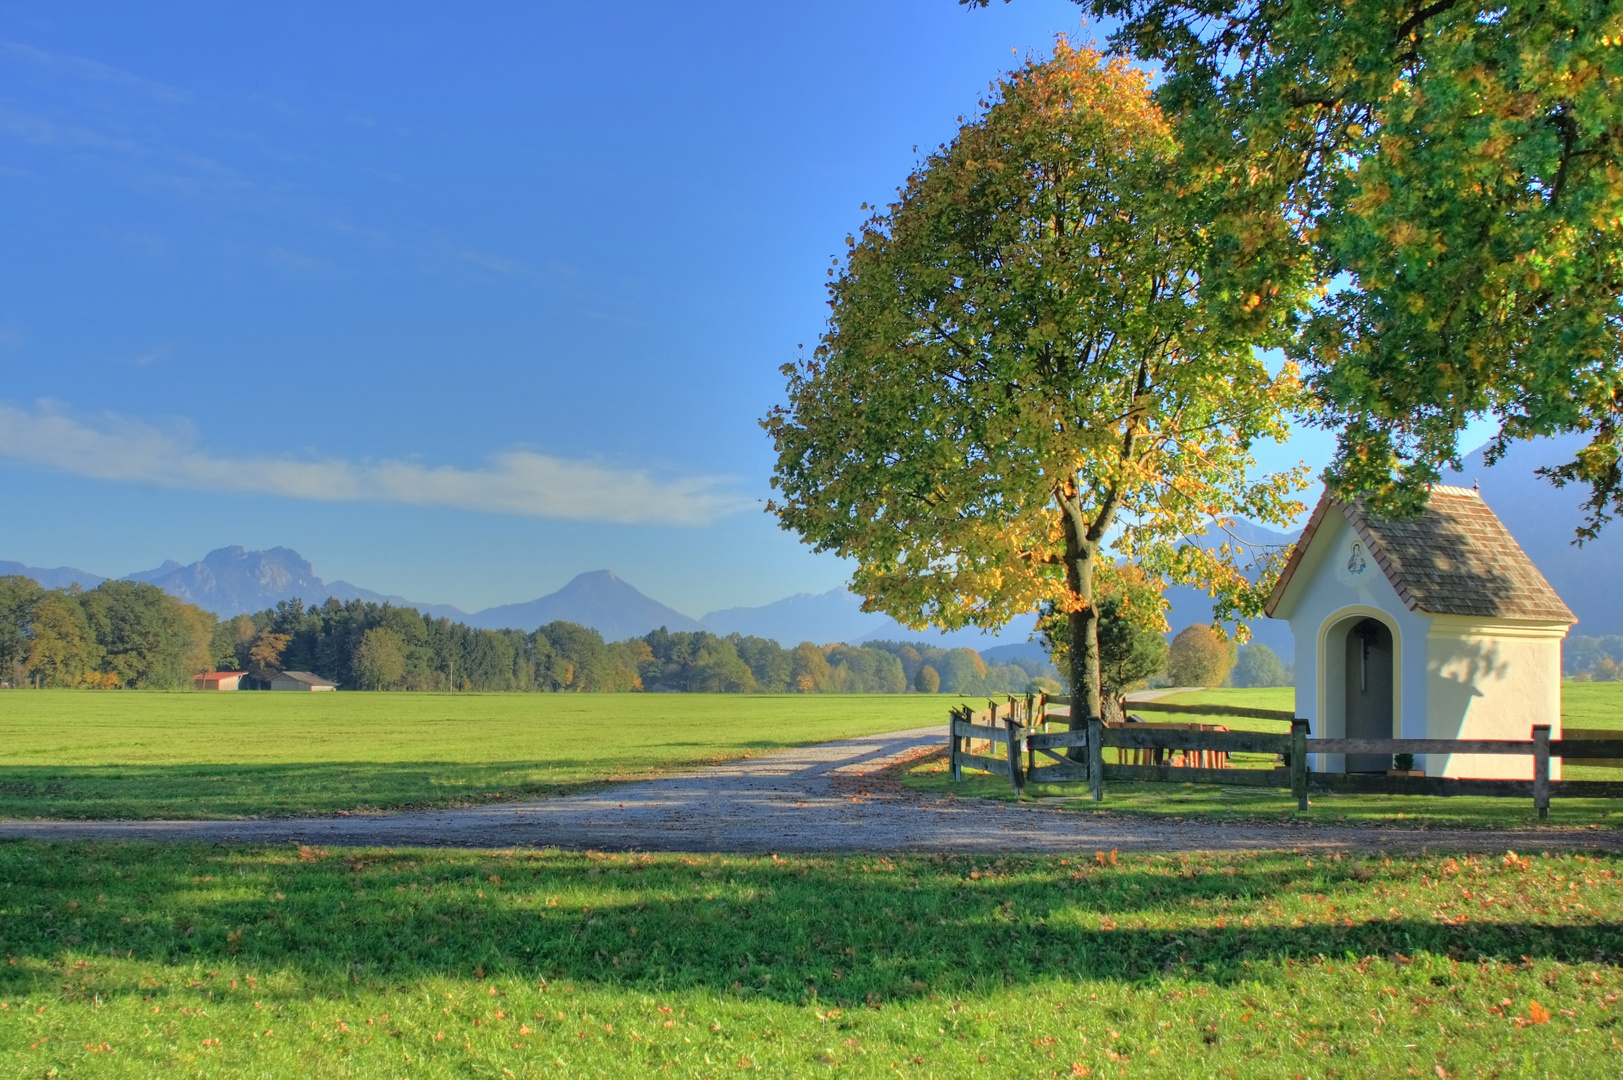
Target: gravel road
829	797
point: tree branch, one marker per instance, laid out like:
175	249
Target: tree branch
1422	16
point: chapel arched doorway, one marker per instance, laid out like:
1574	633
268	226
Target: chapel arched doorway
1367	679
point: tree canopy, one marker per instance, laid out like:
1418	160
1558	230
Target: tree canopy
1199	656
1021	370
380	659
1452	179
119	634
1258	665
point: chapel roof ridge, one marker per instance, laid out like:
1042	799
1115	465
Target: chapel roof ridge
1453	558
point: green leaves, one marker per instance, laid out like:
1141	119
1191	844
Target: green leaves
1452	177
1024	361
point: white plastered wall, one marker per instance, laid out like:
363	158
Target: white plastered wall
1324	601
1490	679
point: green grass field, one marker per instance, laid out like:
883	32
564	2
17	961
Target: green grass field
140	961
1587	705
80	754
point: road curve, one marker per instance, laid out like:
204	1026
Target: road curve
829	797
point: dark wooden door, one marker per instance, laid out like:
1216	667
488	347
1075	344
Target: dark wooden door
1369	692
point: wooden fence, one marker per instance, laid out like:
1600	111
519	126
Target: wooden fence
1032	753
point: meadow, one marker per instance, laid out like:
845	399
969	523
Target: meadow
132	960
130	754
1584	705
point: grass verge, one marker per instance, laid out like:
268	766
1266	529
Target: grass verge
139	961
88	754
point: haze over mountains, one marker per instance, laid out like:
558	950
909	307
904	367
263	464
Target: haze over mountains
60	577
234	581
231	581
1544	518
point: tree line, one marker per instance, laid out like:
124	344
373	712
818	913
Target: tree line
134	635
121	633
1593	659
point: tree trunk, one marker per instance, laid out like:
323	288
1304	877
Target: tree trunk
1081	557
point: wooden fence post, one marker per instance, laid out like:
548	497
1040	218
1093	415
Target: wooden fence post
1299	762
1541	770
1017	746
1030	726
1096	757
954	747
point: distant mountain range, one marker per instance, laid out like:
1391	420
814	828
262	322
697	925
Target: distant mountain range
1543	519
1190	605
61	577
232	581
837	615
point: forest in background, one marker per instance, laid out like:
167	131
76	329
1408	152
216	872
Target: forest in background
125	634
1593	659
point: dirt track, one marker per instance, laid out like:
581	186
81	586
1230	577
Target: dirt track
829	797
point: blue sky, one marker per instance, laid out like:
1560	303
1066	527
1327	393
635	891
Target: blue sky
458	301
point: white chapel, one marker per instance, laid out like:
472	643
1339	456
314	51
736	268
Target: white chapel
1435	627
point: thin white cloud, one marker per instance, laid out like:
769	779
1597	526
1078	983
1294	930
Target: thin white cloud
499	263
93	71
513	482
39	130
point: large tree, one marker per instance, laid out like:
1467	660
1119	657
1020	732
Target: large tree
1452	174
1021	373
149	638
62	651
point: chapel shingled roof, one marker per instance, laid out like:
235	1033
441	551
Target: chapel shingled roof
1455	558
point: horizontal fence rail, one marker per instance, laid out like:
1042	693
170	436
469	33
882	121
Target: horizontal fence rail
1019	745
1420	746
1229	742
1210	710
979	731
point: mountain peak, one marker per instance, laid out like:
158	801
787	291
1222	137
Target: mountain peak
235	581
598	599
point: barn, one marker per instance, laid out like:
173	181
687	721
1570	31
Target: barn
1433	627
219	680
301	680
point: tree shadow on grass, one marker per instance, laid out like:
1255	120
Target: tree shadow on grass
845	930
